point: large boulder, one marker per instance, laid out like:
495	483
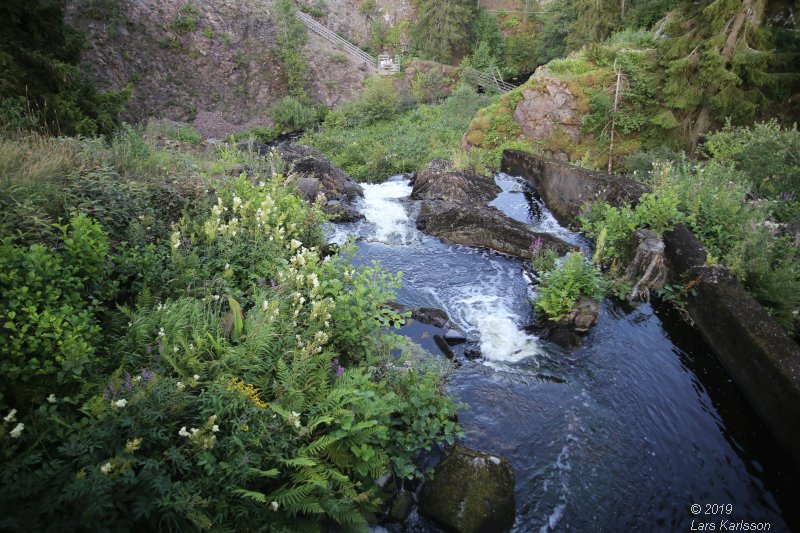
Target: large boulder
470	492
455	208
314	174
551	111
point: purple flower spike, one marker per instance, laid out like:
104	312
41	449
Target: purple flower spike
149	349
260	281
128	384
339	371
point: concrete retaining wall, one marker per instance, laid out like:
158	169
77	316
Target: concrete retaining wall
759	355
566	188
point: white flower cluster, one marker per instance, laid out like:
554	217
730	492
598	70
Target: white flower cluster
10	418
204	437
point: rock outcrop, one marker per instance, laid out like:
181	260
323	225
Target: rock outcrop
316	174
213	64
551	111
455	209
470	492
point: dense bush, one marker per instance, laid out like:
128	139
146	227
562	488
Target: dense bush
767	155
713	199
290	115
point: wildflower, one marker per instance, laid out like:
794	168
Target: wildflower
51	398
215	428
130	324
183	432
227	266
180	385
193	431
265	305
11	416
121	403
196	377
133	445
106	468
159	307
294	244
17	431
237	202
273	505
161	332
296	419
147	375
175	348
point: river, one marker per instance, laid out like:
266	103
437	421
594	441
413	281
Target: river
624	433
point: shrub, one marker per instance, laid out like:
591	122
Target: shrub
561	287
48	304
380	99
767	155
291	115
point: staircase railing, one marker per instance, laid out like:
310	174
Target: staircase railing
347	46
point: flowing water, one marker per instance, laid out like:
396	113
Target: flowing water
625	433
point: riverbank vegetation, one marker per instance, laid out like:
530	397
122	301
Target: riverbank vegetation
179	352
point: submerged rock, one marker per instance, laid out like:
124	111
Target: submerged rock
316	174
455	209
470	492
401	506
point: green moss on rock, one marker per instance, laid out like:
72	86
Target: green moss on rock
470	492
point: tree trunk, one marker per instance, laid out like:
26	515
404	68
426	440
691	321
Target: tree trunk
703	120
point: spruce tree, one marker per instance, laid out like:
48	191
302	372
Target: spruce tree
39	74
719	63
444	30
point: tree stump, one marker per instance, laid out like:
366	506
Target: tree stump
648	269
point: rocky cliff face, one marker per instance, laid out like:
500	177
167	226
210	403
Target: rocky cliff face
209	62
355	19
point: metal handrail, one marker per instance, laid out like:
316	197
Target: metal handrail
348	47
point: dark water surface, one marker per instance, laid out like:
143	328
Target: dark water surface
626	433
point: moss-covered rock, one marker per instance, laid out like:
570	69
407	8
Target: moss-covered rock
470	492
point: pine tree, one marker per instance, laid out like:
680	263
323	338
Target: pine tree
444	30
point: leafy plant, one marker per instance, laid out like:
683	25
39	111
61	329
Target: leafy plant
561	287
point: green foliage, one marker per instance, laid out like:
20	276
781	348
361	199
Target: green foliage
255	387
186	21
405	143
39	58
291	37
48	304
291	115
379	101
767	155
429	86
543	258
444	29
184	133
561	287
657	211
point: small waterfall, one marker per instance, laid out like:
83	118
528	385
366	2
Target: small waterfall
382	208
